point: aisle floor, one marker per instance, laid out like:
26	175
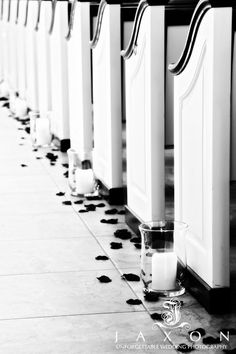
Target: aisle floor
50	298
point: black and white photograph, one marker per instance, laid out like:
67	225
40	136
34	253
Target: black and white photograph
117	176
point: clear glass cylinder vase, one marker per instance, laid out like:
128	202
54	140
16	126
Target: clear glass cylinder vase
74	163
163	257
40	130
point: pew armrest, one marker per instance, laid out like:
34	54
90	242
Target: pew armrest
201	9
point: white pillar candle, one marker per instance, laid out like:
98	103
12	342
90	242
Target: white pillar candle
43	134
164	269
12	100
73	160
84	181
5	90
20	108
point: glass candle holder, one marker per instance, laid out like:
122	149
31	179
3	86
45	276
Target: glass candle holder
40	130
74	163
20	108
163	257
12	102
85	182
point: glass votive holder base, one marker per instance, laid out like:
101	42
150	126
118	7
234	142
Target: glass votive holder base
163	260
178	291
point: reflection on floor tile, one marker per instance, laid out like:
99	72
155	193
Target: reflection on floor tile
42	226
126	257
31	203
97	334
57	294
26	184
42	256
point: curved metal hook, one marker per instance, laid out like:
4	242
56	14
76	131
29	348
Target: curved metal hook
54	4
97	32
71	20
17	11
9	11
26	13
2	9
131	48
38	15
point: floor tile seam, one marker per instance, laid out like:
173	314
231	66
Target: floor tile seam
117	268
56	272
128	284
45	239
71	315
85	223
65	197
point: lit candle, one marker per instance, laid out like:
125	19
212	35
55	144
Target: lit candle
84	181
164	269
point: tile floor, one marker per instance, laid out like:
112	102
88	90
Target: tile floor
50	298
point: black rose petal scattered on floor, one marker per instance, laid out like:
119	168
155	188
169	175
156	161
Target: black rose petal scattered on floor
123	234
104	279
138	246
3	99
52	163
34	150
130	277
121	212
200	330
60	194
78	202
156	316
90	207
211	340
24	165
151	297
134	302
109	221
66	165
52	157
38	158
116	245
94	197
111	211
66	174
136	239
66	202
232	331
100	205
83	211
101	258
184	348
27	129
55	149
7	105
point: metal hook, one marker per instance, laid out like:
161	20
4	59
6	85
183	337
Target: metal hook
71	21
54	3
38	15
